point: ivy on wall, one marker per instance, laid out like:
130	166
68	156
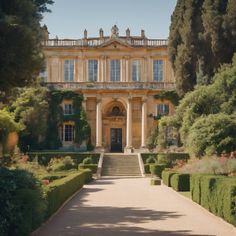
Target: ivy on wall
168	95
56	119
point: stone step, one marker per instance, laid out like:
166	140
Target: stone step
120	165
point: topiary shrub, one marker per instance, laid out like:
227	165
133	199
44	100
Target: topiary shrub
166	176
150	160
156	169
147	168
180	182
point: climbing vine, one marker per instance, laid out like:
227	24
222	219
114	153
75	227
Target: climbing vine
56	118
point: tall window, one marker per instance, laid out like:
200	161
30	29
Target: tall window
92	70
69	70
162	109
115	70
136	70
68	109
68	133
158	70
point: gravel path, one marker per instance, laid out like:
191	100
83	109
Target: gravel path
131	206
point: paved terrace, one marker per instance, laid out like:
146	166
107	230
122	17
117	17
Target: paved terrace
130	206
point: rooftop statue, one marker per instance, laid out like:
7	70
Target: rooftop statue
114	31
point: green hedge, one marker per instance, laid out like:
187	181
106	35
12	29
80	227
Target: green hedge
92	167
156	169
45	157
162	158
59	190
217	194
166	176
147	168
180	182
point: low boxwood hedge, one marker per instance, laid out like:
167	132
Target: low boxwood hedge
147	168
59	190
92	167
217	194
44	158
180	182
156	169
166	176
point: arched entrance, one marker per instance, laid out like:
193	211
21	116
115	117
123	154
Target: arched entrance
114	126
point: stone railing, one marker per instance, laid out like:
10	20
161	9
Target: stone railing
95	42
111	85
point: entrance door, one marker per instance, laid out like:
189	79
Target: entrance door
116	140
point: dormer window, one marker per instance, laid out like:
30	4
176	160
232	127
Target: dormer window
68	109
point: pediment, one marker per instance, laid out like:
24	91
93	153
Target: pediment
115	44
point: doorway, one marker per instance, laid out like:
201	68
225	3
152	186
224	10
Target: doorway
116	139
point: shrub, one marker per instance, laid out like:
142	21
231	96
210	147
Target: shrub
211	165
147	168
92	167
150	159
21	202
65	163
212	134
170	158
88	160
166	176
156	169
180	182
45	157
217	194
59	190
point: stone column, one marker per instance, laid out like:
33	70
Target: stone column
127	68
144	123
128	147
99	124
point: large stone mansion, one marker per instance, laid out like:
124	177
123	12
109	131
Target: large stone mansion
118	77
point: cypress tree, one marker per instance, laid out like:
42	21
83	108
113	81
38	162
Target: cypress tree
202	37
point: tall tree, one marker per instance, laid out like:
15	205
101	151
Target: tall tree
20	34
202	36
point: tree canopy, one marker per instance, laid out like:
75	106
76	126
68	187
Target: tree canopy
200	112
20	34
202	37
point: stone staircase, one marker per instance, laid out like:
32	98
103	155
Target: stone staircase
120	165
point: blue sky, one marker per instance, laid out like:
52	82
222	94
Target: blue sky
69	18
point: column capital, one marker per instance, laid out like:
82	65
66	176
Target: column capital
144	99
126	57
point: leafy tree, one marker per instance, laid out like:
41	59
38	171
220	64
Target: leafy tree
21	58
202	37
7	125
31	110
205	101
213	134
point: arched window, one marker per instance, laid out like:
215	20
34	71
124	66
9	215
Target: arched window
116	111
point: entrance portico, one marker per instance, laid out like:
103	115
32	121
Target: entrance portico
121	123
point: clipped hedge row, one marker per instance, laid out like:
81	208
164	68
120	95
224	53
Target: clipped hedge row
180	182
92	167
215	193
59	190
45	157
156	169
166	176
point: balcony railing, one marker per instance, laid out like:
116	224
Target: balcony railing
111	85
95	42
